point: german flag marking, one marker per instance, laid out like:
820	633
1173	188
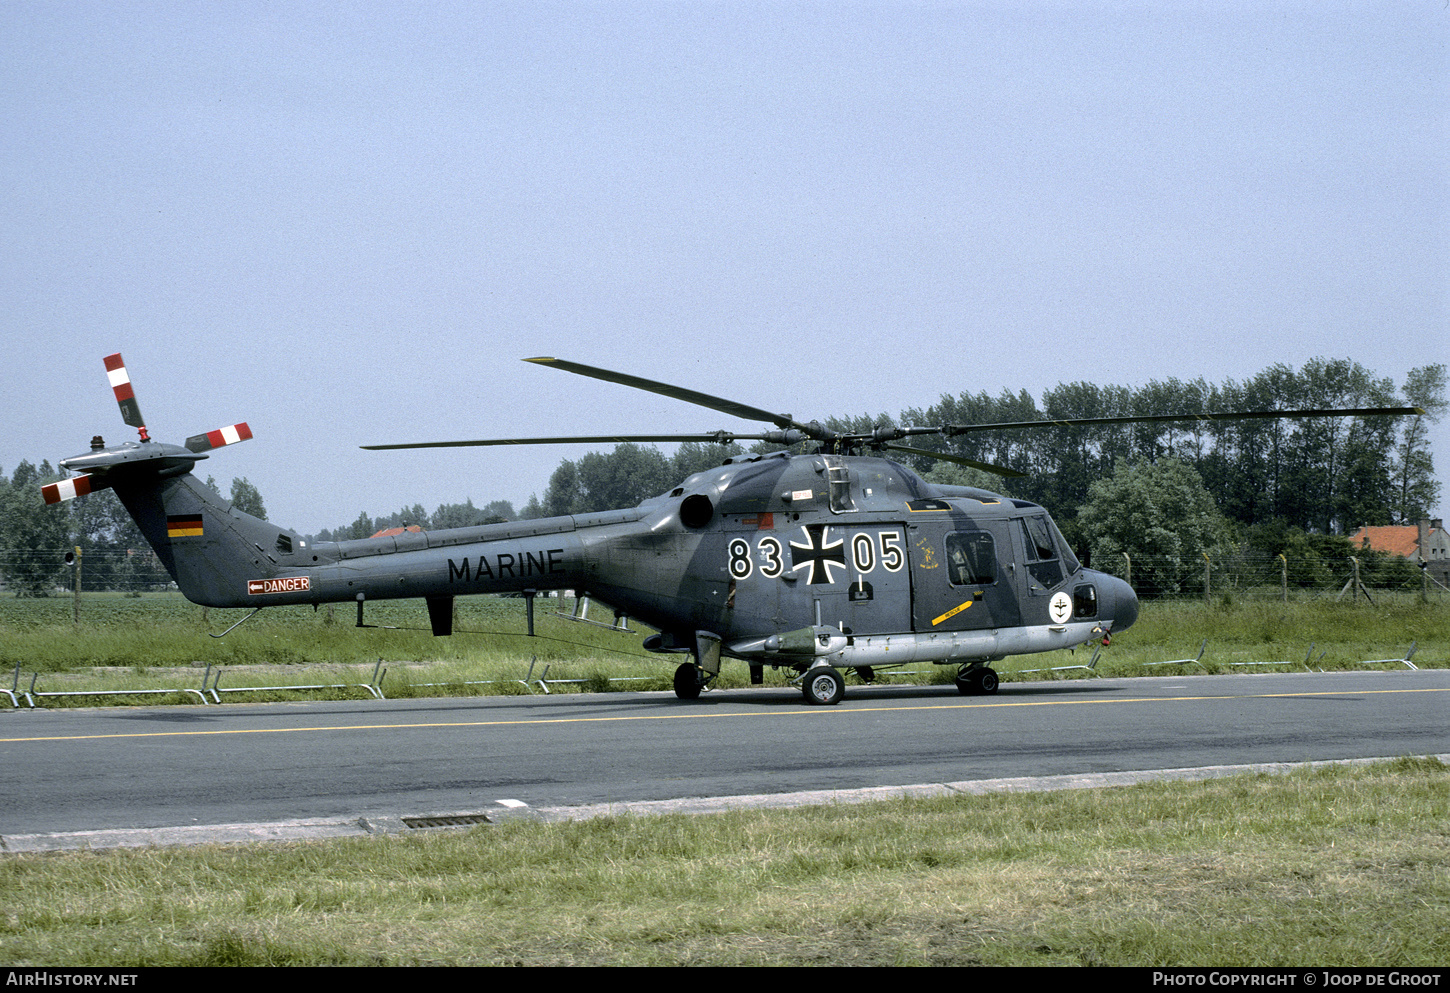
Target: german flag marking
184	526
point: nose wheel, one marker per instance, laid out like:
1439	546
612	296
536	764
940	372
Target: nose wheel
977	681
687	681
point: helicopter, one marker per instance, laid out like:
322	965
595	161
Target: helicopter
837	559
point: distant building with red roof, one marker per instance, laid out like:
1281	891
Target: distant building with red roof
394	532
1428	543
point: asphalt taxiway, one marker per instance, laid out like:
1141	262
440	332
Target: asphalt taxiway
143	775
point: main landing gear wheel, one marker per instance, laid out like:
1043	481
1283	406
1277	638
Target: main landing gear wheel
823	685
977	682
687	681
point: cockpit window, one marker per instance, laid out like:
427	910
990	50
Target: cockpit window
1069	560
1042	561
1039	539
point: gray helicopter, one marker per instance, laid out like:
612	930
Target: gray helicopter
841	559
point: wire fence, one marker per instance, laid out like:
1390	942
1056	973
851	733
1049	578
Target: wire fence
1237	573
44	572
1256	575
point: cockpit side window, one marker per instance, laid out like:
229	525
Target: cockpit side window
1069	560
1042	557
1040	546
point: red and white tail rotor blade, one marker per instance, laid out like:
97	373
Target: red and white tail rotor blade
125	395
229	435
67	489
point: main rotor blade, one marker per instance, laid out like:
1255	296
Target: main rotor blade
996	470
715	438
677	393
955	429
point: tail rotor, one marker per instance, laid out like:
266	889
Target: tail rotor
125	395
229	435
100	466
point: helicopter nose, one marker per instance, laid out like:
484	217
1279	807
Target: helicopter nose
1119	602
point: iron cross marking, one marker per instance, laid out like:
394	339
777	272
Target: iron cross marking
820	554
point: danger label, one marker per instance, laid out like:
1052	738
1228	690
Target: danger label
293	584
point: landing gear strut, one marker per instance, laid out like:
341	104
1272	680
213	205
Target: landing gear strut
977	681
692	677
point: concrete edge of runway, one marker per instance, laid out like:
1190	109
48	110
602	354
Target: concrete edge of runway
311	829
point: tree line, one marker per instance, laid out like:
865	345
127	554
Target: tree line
114	555
1322	475
1266	484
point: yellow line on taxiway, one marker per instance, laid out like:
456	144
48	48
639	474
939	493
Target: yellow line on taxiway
696	715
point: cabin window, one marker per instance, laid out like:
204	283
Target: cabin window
1085	601
971	559
284	544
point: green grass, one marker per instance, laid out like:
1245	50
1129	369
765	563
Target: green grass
1342	634
1337	866
160	640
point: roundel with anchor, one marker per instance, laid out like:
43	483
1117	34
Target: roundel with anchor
1059	608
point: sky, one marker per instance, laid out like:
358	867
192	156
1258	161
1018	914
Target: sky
346	224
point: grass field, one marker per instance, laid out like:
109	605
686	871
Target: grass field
160	640
1332	867
1337	866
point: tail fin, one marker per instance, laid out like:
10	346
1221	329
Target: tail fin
210	548
212	551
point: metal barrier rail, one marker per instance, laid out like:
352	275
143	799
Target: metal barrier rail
1405	660
374	686
523	682
15	688
543	681
1090	667
1308	657
15	693
1192	661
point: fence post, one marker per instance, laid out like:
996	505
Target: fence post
1207	567
1129	577
76	590
1357	586
1284	575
